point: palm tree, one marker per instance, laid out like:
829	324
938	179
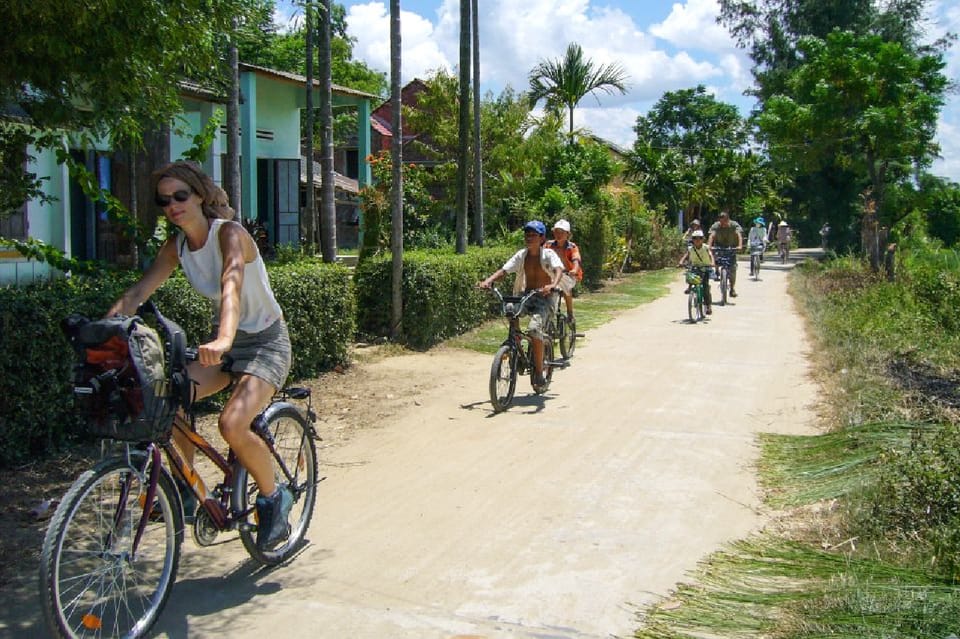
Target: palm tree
463	151
396	155
564	82
477	155
310	221
328	205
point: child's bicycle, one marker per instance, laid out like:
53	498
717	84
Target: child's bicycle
694	278
515	355
111	551
565	332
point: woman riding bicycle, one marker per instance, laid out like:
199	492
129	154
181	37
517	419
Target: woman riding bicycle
701	259
221	261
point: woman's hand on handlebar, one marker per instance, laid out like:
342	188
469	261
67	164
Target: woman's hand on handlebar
212	353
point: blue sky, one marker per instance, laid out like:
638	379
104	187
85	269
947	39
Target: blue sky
663	46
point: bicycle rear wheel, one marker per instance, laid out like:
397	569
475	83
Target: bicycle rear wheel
295	466
92	582
566	337
755	266
503	378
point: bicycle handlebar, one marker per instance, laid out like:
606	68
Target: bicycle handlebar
520	301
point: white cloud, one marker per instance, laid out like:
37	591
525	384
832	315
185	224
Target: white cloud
515	36
948	134
686	49
614	124
421	50
693	25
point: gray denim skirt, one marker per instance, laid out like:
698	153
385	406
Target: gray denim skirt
265	354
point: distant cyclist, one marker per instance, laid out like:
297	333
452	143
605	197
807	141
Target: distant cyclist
727	234
701	259
783	239
688	235
572	265
757	239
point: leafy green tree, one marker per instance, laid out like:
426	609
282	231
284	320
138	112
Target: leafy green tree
564	82
771	31
287	52
509	159
577	170
689	151
859	102
108	69
940	202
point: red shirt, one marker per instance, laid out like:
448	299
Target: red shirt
568	255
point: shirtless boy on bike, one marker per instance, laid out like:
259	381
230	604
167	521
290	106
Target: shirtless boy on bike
538	269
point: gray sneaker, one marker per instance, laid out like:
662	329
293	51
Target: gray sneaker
272	514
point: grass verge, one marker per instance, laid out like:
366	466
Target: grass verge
592	309
882	478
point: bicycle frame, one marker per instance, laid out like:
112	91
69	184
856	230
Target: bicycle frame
515	335
217	509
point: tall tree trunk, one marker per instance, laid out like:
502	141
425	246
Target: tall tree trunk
309	221
231	180
463	153
396	157
328	204
478	230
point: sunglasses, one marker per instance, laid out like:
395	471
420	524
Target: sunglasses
164	200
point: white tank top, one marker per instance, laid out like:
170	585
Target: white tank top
204	267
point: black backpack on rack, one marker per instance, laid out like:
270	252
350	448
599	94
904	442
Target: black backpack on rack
128	382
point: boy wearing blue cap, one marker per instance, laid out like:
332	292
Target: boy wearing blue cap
537	268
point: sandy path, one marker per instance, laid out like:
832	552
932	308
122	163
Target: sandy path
553	519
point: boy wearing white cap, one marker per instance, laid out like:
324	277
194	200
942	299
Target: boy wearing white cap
572	265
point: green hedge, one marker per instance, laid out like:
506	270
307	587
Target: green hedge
35	401
440	298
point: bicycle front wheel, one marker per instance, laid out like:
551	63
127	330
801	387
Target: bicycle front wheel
93	582
503	378
294	459
724	283
692	305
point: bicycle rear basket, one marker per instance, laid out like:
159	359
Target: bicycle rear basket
120	384
112	405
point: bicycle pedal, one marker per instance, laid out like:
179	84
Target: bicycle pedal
558	363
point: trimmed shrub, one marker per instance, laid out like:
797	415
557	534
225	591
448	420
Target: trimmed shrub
36	411
593	234
320	309
439	293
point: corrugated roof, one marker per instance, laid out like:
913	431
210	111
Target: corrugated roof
193	89
381	127
299	79
341	182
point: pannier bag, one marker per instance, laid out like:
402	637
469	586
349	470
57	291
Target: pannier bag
120	384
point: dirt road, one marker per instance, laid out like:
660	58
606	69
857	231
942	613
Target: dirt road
554	519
